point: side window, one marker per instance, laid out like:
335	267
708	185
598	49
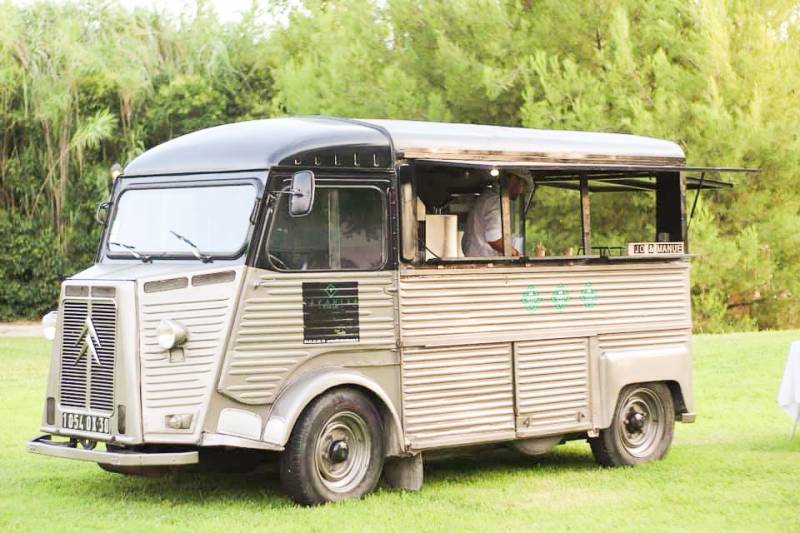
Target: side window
346	230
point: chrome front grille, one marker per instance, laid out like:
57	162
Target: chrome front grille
104	316
88	348
73	374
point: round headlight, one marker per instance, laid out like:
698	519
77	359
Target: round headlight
49	325
170	334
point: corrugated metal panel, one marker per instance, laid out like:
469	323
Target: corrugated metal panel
497	302
182	386
457	395
644	339
268	342
552	385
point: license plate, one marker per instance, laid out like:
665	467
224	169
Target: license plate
82	422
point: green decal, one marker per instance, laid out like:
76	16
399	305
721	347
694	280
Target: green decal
331	290
588	295
531	298
560	297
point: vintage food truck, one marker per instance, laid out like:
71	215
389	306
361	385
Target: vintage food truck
299	286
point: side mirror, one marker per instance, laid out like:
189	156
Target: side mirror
101	219
301	200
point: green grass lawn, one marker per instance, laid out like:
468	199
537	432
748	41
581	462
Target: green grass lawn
733	470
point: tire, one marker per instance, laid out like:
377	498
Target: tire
641	429
335	451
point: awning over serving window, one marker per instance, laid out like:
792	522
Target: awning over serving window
602	178
622	183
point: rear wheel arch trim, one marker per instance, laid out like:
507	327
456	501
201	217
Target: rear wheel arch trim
675	389
677	396
291	403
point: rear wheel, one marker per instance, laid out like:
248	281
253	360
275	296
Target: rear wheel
335	451
641	430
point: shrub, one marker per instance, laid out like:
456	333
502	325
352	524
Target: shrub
31	267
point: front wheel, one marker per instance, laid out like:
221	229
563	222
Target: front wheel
642	427
335	451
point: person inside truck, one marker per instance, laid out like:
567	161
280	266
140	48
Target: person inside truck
483	233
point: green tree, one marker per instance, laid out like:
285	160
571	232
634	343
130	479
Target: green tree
85	83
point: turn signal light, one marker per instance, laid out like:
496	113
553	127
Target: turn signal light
51	411
121	419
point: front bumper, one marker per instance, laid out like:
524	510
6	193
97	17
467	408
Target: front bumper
45	446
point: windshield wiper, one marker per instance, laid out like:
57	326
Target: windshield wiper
195	249
132	250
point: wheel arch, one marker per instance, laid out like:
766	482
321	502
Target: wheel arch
675	390
677	397
671	366
294	399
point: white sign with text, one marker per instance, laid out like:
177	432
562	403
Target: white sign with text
655	248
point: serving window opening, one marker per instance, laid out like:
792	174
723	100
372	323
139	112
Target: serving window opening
562	214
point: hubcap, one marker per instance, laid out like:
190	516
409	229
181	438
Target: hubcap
641	422
339	451
342	453
635	421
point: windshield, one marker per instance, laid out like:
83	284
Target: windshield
182	221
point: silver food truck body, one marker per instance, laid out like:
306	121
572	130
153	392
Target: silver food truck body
298	286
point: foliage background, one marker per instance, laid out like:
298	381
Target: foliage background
85	83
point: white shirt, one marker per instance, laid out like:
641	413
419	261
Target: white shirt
484	225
